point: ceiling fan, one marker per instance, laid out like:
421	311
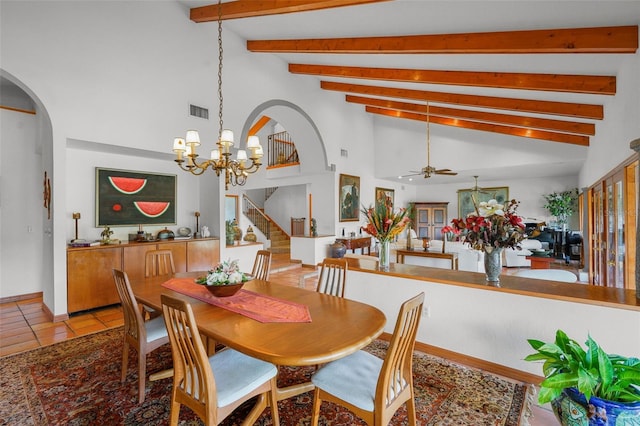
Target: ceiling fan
478	190
428	170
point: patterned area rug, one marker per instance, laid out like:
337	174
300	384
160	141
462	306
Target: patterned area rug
77	382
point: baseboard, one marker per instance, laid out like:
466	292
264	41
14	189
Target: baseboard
470	361
54	318
21	297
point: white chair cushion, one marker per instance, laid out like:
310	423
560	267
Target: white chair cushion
237	374
352	379
156	329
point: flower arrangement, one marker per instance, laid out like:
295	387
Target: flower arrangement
225	273
492	226
384	224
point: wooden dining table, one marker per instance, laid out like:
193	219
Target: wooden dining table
338	326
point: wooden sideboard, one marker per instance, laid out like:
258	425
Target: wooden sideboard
452	258
356	243
89	278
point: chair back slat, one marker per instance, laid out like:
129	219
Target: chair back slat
158	262
191	369
133	321
396	376
262	265
333	276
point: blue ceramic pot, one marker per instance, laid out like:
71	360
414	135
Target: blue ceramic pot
338	250
571	408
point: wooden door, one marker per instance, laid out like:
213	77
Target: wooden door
430	219
612	225
598	254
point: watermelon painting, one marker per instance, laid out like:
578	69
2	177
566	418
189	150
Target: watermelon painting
151	208
127	185
130	198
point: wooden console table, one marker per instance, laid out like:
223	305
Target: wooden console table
540	262
356	243
452	257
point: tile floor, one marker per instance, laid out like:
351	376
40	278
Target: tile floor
24	325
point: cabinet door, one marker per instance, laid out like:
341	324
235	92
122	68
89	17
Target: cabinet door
430	219
179	254
134	258
90	280
439	221
423	219
202	255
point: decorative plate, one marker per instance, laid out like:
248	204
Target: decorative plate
184	232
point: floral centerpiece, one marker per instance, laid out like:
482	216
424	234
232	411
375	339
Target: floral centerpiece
226	273
384	225
491	228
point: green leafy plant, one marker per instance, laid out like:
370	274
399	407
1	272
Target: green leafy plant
561	204
592	372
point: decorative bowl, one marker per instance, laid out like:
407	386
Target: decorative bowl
224	290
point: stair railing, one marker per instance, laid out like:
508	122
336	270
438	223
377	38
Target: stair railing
257	216
281	150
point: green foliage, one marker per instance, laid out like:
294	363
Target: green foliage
230	227
561	204
592	371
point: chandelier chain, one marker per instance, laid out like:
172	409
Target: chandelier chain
220	68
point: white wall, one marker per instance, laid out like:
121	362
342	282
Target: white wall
494	325
123	74
21	204
529	192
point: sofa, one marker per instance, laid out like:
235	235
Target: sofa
468	259
514	258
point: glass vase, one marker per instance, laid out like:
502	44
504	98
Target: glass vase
383	255
493	264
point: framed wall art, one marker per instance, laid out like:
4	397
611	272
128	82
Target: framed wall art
465	200
349	198
128	198
384	196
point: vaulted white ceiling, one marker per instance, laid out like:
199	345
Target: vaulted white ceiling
415	17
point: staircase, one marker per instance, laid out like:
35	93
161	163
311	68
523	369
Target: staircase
280	241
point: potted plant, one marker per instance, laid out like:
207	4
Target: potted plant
230	232
561	204
587	387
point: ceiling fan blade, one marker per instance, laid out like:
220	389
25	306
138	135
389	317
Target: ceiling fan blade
446	172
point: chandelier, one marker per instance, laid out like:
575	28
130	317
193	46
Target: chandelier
235	170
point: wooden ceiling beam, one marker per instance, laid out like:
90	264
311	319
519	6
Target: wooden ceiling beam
247	9
622	39
588	129
259	125
576	110
590	84
486	127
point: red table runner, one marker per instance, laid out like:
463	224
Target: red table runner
248	303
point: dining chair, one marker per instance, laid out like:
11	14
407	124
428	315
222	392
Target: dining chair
372	388
333	276
145	337
212	386
262	265
158	262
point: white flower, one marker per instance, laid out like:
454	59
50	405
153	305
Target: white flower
235	277
491	207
